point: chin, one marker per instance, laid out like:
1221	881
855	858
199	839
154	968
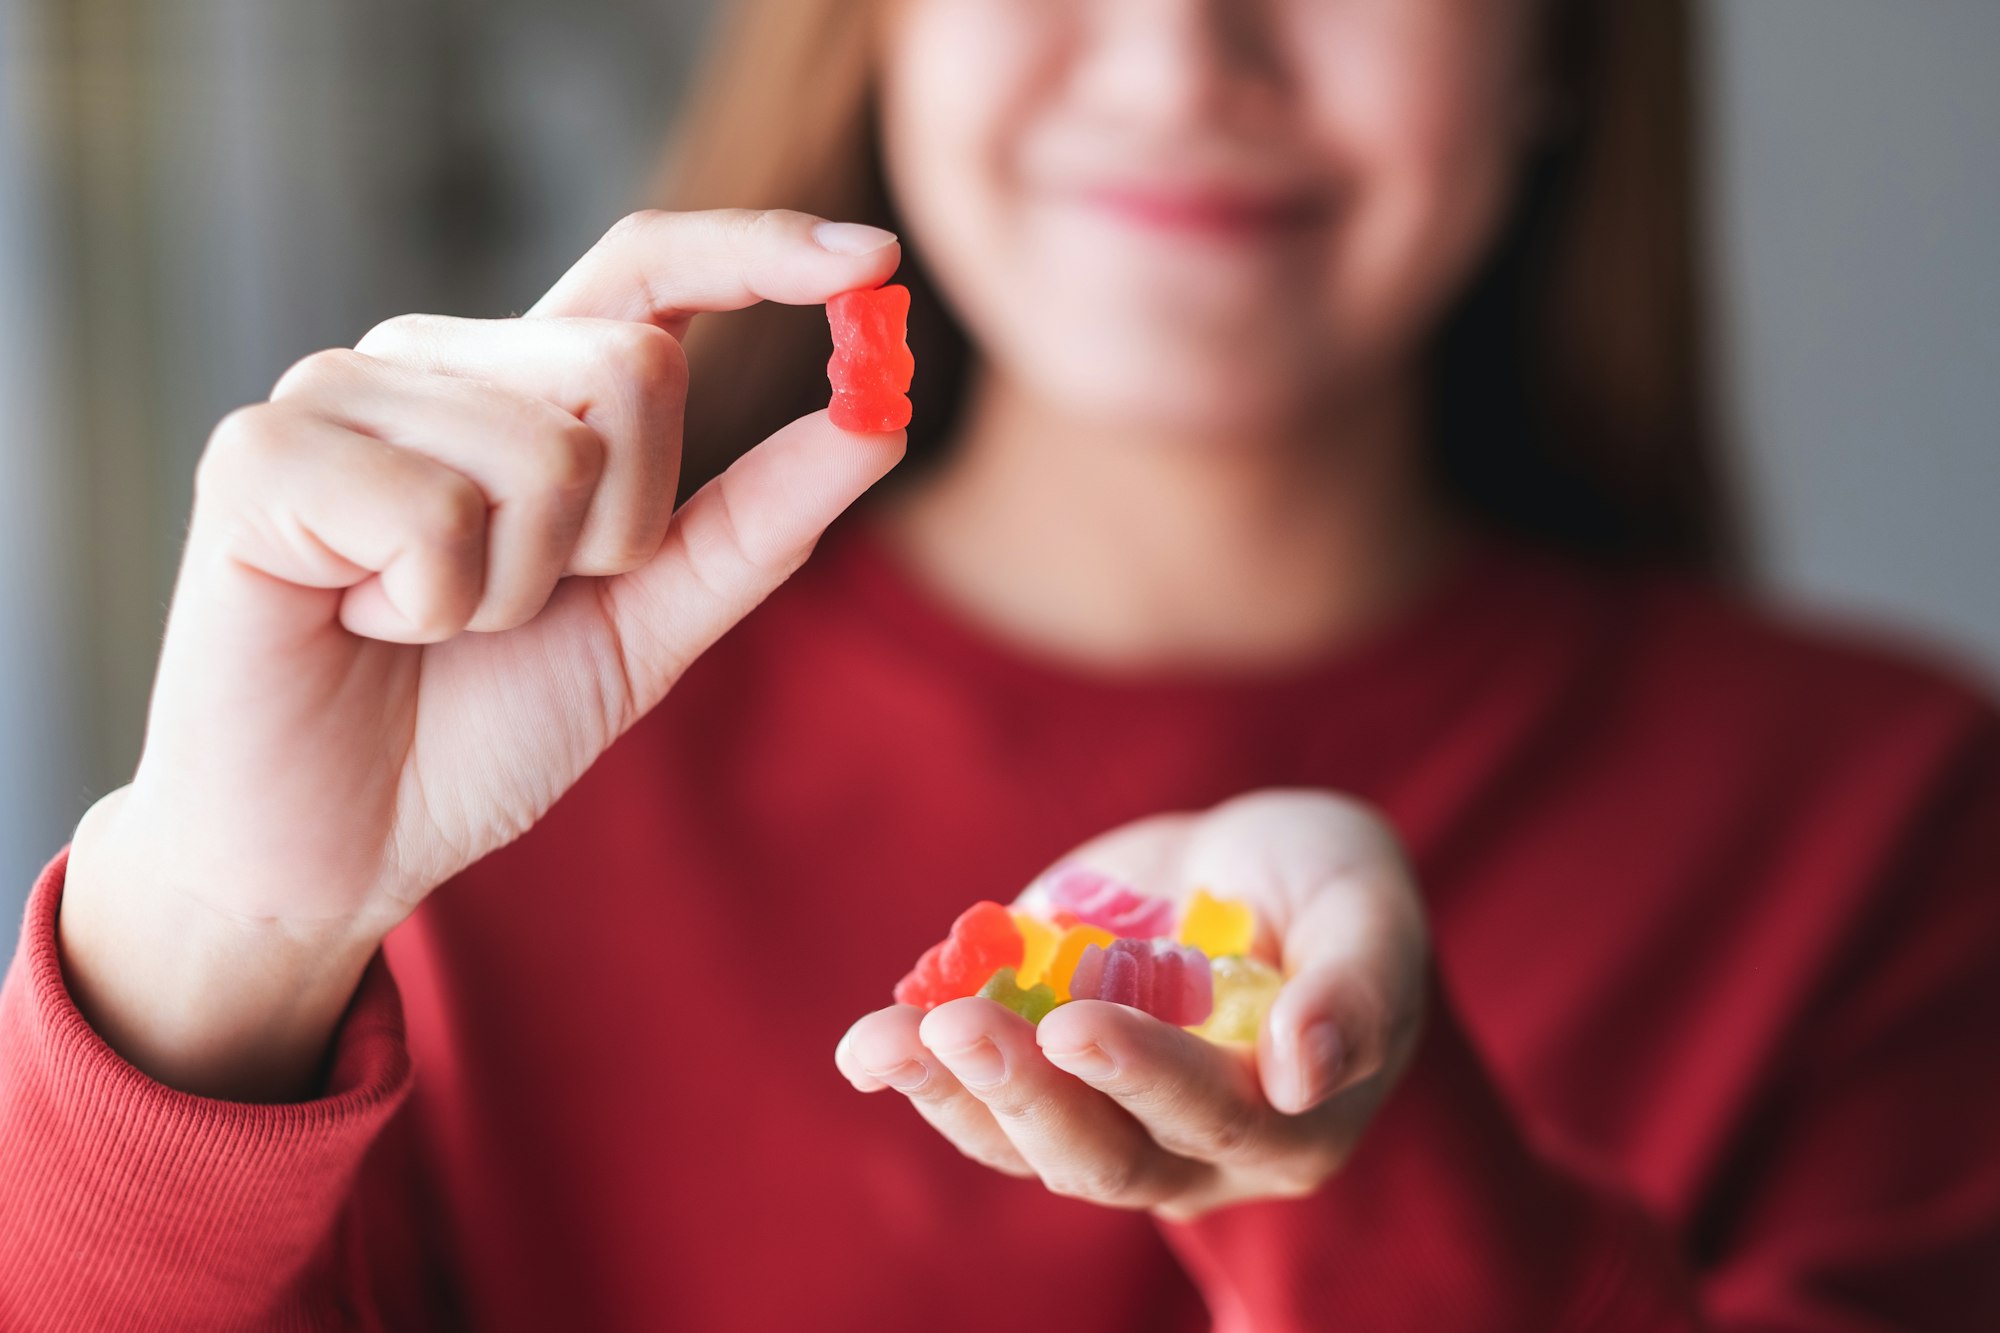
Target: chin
1126	377
1201	401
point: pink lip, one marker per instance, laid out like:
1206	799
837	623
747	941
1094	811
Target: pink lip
1219	213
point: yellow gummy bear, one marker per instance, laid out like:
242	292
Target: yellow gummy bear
1244	989
1070	948
1218	926
1038	947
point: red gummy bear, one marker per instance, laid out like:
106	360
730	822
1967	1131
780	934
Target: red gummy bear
983	940
871	367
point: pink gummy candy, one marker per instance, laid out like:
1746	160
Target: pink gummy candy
1102	901
1169	981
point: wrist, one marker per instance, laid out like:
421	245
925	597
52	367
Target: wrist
200	999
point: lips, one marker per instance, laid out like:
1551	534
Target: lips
1213	210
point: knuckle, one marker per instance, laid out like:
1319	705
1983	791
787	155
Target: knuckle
442	610
1192	1126
236	431
452	512
618	553
399	334
511	613
740	224
1103	1179
1011	1103
778	223
933	1091
330	365
574	458
646	354
743	232
635	223
1234	1135
993	1159
437	619
731	536
239	440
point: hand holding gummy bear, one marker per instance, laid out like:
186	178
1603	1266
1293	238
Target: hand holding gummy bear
1126	1038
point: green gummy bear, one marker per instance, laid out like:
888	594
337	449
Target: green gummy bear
1032	1004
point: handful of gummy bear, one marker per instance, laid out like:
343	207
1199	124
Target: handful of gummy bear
1102	940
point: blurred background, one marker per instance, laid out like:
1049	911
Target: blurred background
195	193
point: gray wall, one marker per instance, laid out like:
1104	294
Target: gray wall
194	194
1859	172
42	785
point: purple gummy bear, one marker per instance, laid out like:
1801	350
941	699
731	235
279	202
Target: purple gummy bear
1102	901
1169	981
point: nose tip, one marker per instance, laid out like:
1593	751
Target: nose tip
1188	59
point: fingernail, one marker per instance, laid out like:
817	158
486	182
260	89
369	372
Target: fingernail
905	1077
1319	1062
1085	1062
851	238
979	1065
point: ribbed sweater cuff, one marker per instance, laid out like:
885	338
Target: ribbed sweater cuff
119	1195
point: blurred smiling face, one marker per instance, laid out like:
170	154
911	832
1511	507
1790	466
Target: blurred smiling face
1203	213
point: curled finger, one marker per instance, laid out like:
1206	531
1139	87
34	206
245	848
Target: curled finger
1078	1140
883	1050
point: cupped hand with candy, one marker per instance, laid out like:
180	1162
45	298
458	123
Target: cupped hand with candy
1107	1103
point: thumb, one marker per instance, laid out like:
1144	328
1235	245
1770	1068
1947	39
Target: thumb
1332	878
734	541
1354	1002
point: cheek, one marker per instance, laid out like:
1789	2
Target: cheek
970	90
1430	144
958	78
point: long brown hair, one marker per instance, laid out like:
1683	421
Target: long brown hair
1570	385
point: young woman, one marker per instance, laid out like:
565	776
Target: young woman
1311	415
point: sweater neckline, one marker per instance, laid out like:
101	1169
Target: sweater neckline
1460	617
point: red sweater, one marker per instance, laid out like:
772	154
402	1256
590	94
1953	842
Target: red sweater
1718	943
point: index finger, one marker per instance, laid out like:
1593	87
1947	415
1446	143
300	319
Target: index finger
664	268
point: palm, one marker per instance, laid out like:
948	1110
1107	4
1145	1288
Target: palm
433	756
501	725
1106	1103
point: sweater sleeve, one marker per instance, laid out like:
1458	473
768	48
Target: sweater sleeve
127	1204
1445	1217
1863	1195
